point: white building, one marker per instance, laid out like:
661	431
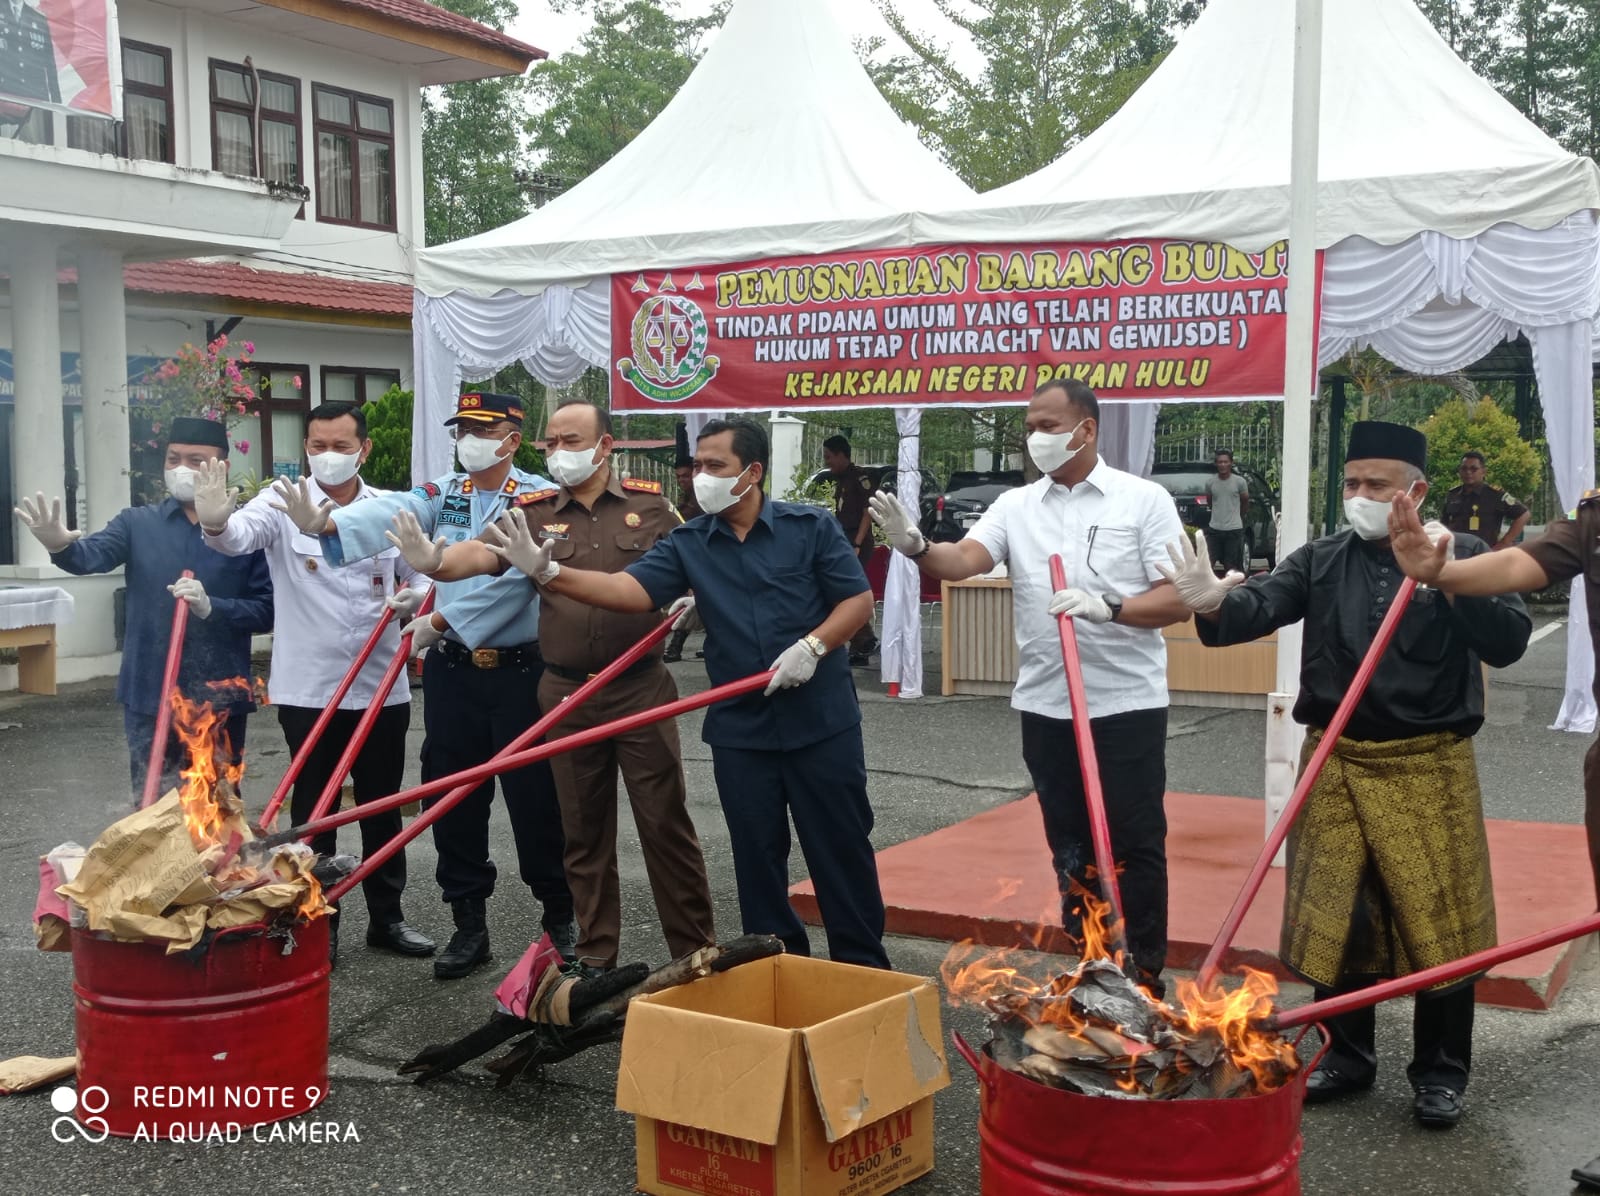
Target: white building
266	180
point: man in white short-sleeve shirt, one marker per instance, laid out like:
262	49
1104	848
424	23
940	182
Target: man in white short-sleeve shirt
1111	530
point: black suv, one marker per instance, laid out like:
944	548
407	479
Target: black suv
1186	482
969	494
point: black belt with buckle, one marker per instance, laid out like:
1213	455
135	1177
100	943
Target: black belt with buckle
521	656
580	676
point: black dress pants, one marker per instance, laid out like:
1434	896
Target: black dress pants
470	714
377	771
1132	752
1441	1036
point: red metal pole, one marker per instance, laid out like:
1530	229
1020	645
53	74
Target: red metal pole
323	719
577	698
369	717
1093	796
169	682
463	782
1477	962
1280	829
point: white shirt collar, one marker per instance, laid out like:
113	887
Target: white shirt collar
1099	477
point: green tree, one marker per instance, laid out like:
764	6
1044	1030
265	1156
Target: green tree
389	425
1455	427
1054	71
471	149
594	100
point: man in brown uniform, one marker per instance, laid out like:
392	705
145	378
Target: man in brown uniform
689	508
601	521
1568	547
1476	508
851	489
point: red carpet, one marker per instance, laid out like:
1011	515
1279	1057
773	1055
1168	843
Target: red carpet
989	879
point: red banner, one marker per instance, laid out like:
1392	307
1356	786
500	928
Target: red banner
963	324
54	54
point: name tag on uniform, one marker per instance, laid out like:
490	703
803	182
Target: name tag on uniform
457	511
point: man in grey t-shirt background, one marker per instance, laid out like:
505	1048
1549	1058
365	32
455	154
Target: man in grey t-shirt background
1230	500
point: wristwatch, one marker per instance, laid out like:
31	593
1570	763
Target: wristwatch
815	646
1113	600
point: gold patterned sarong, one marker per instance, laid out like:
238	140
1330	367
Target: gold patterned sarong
1388	862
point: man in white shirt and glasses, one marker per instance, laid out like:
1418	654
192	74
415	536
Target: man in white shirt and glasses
323	617
1111	530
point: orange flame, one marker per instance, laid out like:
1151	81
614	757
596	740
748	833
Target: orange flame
203	731
999	980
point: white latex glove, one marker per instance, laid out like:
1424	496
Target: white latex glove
898	523
213	501
1080	604
423	633
422	554
510	539
404	602
297	505
683	614
1200	588
191	591
46	524
795	665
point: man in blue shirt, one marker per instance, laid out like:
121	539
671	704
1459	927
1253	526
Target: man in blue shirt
480	685
229	597
777	587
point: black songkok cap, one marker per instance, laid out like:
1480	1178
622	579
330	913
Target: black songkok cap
188	430
1370	439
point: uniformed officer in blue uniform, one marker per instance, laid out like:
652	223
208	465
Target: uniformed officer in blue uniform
475	699
27	53
778	587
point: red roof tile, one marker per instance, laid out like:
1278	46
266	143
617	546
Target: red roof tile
229	280
420	15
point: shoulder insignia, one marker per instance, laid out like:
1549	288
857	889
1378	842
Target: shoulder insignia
1589	496
510	487
1510	502
426	490
466	485
641	485
533	496
866	482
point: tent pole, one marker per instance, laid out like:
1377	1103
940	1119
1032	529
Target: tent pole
1300	363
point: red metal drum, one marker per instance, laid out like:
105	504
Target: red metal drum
170	1047
1042	1141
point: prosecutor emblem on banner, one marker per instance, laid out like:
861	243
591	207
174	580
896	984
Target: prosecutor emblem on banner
669	362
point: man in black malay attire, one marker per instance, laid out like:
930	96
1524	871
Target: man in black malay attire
1388	862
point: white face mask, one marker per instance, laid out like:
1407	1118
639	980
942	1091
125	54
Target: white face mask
477	454
716	494
1049	449
180	483
1368	516
334	469
572	467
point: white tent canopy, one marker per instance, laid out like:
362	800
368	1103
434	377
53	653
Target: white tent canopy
1450	222
778	143
1411	141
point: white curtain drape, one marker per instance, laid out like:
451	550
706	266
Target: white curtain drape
1128	436
900	653
464	338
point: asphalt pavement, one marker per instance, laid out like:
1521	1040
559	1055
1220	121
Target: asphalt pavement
1533	1110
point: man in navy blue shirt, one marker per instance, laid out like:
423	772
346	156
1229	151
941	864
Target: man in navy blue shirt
228	597
777	587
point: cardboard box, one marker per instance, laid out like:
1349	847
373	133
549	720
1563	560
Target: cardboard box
785	1077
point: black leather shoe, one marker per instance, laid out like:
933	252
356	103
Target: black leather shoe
399	938
1437	1107
468	946
671	656
1329	1082
564	935
1588	1176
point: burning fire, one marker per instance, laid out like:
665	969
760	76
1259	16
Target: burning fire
203	732
1093	1030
